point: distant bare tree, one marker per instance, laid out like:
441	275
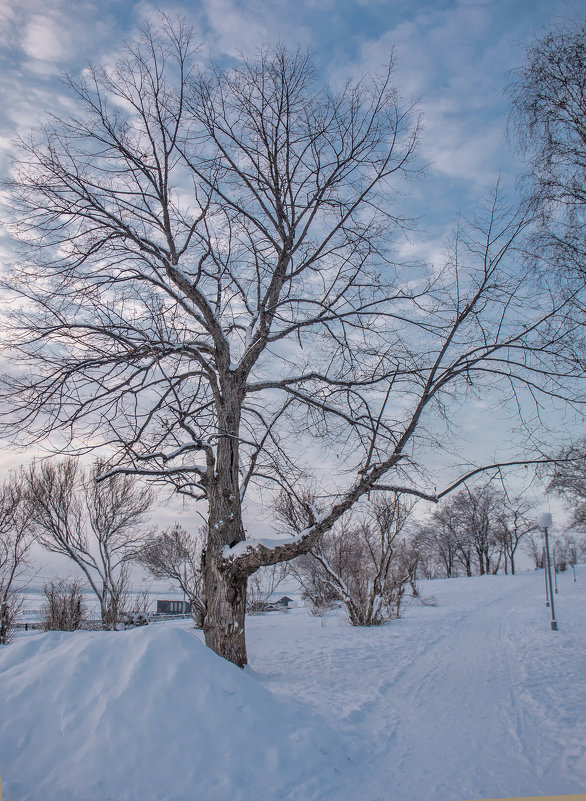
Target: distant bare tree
571	548
476	528
431	563
176	554
478	510
568	481
448	541
438	540
15	544
534	547
549	116
99	526
512	525
209	282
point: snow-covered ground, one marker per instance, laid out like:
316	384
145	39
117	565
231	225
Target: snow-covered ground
472	697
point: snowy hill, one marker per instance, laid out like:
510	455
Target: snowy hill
472	697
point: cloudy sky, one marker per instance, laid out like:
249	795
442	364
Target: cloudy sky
453	57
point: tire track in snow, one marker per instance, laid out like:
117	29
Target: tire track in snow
412	716
517	712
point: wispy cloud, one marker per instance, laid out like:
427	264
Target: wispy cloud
440	61
46	38
39	41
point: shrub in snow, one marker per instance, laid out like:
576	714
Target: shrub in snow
133	619
318	592
135	613
9	613
367	564
64	609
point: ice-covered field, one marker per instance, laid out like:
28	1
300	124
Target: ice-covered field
472	697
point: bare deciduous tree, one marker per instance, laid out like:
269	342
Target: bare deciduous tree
513	524
15	543
568	480
176	554
438	543
209	282
476	510
450	544
549	115
96	525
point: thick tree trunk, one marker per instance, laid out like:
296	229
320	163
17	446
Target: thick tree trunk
225	612
225	590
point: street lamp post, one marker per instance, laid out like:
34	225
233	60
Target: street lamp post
544	521
543	562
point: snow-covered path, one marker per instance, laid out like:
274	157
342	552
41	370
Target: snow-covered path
472	698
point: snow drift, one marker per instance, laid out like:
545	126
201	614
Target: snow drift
148	714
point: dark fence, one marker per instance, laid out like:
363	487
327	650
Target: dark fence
96	625
87	625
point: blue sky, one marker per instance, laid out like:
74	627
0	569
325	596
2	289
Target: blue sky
452	56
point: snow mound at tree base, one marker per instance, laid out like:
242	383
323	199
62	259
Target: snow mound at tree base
149	714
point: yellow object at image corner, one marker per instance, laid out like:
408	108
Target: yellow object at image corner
579	797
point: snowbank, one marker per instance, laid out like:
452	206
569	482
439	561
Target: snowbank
148	714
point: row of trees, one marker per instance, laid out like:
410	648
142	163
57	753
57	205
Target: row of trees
368	561
100	528
478	531
207	282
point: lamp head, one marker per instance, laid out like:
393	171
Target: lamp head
544	520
